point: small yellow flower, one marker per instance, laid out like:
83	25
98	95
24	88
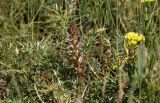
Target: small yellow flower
133	42
142	1
134	38
129	35
140	38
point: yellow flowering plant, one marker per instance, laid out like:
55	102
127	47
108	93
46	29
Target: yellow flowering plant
133	38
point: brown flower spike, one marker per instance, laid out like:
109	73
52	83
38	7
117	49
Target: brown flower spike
74	44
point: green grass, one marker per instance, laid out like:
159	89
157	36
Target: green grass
36	63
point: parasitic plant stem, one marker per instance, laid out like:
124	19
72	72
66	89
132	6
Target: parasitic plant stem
77	58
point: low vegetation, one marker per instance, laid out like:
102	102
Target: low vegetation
79	51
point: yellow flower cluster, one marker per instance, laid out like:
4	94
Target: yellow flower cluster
134	38
142	1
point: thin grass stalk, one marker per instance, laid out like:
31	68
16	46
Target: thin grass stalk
140	52
122	81
32	20
63	4
120	91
